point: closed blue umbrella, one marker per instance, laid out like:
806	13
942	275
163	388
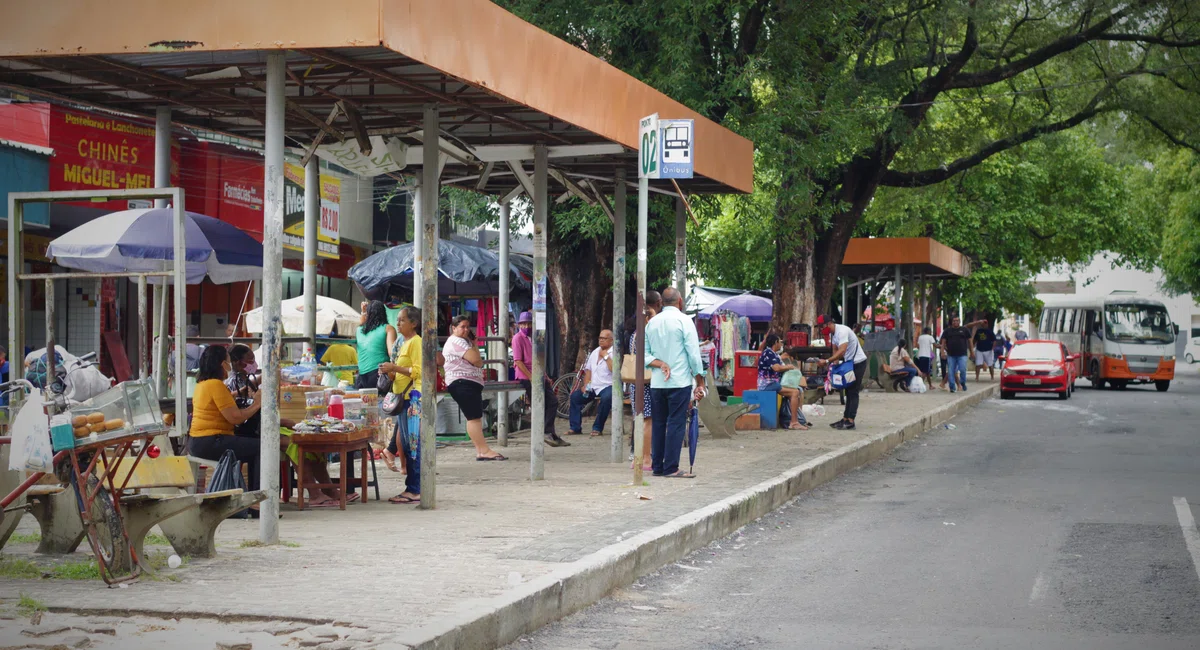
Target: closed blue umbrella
693	437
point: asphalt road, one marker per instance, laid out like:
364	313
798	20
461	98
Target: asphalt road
1034	523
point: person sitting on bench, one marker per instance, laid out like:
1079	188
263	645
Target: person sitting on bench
900	364
770	368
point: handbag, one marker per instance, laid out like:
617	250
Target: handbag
393	404
842	375
629	369
227	475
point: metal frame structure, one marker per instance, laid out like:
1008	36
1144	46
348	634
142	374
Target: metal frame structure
513	108
16	263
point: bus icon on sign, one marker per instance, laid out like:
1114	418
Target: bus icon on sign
677	143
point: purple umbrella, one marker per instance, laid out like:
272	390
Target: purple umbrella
756	308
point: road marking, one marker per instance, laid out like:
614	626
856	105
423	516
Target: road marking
1039	588
1191	536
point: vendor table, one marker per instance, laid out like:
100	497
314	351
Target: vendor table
329	443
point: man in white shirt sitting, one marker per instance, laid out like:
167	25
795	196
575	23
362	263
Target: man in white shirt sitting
597	384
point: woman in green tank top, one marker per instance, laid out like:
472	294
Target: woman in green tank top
375	338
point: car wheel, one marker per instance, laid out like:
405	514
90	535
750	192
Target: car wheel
1189	358
1006	394
1065	394
1162	386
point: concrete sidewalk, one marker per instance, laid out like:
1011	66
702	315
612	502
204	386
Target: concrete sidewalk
501	555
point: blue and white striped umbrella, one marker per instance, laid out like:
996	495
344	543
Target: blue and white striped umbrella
143	240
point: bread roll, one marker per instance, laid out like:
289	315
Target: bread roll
95	418
114	424
96	428
82	432
79	421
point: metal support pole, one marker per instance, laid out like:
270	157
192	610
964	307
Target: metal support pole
143	330
910	307
162	151
160	342
681	251
618	401
428	297
16	303
418	244
312	226
51	338
537	441
162	178
845	307
859	315
502	397
180	282
897	287
640	374
272	287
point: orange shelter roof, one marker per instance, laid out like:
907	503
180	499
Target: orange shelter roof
871	255
497	79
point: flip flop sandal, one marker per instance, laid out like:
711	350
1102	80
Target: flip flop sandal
332	503
390	461
597	434
352	497
798	427
488	458
400	499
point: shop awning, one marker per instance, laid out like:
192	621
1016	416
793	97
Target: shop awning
502	84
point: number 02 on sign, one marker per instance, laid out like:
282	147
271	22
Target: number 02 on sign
665	147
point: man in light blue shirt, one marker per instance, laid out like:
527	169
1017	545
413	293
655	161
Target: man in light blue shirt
673	354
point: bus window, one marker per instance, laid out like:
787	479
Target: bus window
1059	320
1069	320
1138	323
1048	320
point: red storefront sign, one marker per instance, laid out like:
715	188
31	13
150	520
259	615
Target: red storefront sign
93	151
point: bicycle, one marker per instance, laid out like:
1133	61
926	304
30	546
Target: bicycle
90	467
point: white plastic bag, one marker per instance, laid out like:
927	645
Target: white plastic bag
917	385
31	449
813	411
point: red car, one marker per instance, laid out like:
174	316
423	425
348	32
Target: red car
1038	367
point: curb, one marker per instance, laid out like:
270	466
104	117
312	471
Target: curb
501	620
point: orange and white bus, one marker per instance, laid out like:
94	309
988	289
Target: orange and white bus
1121	338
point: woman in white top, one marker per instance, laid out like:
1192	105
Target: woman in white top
464	381
901	361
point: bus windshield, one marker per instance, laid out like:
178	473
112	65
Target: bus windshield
1138	324
1036	352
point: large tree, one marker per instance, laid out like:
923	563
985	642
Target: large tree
838	96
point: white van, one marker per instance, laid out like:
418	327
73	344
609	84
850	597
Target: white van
1121	338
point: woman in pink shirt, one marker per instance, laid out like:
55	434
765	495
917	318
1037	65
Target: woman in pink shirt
464	381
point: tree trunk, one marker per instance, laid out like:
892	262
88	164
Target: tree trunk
578	282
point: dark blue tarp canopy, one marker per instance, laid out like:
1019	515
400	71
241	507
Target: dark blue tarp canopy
463	270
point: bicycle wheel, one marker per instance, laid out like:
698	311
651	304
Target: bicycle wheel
105	531
562	390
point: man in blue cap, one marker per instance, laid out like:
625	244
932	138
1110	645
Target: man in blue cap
522	346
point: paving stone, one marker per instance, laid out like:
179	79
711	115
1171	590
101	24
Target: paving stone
234	645
78	641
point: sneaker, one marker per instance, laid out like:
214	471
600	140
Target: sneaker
554	442
840	424
561	442
847	426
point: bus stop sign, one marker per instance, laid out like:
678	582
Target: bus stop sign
665	147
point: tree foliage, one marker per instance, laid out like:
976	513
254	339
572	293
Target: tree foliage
1051	202
1170	190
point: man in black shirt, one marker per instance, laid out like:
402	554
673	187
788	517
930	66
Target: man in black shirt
956	342
985	344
